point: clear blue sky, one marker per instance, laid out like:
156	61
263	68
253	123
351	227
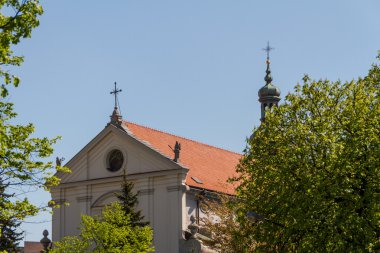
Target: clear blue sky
192	68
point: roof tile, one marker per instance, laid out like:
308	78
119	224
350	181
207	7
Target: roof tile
211	165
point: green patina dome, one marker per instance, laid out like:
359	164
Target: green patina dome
269	90
269	95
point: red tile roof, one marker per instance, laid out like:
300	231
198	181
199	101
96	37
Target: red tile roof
32	247
212	165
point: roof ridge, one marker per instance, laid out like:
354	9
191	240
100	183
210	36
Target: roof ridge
211	146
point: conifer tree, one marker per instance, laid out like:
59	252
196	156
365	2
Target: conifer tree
128	201
9	237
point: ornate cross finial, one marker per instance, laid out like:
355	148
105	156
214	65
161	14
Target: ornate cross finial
268	49
268	77
116	117
115	92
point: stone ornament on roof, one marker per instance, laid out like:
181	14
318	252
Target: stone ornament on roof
116	117
176	150
45	241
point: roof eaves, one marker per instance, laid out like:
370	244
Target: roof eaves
199	189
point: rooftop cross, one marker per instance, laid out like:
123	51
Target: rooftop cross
268	49
115	92
116	118
268	77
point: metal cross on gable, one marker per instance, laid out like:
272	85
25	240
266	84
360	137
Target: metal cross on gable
115	92
268	49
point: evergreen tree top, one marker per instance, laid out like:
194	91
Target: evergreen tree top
128	201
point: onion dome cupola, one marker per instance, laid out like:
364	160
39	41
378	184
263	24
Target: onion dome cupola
269	94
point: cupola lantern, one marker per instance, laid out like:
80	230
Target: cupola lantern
269	94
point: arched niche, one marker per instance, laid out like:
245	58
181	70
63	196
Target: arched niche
104	200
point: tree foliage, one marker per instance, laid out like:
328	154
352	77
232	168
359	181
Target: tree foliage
128	201
22	157
9	237
110	232
220	225
17	20
312	170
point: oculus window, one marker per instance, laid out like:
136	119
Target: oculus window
115	160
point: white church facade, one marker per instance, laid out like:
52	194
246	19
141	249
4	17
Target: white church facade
168	172
167	183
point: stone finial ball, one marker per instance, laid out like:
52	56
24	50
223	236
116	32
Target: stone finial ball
45	233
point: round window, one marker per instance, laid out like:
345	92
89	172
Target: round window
115	160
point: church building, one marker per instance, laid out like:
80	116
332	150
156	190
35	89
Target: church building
168	171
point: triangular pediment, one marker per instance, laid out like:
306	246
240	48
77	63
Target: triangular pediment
92	162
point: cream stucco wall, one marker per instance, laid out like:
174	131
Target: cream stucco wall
159	181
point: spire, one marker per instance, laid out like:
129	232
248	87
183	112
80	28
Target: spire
269	94
268	78
116	116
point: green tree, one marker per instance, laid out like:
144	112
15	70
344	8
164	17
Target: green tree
17	20
22	157
219	225
312	170
9	236
128	201
110	232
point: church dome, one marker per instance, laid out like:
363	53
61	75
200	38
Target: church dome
269	95
269	90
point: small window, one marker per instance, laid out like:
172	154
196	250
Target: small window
197	180
115	160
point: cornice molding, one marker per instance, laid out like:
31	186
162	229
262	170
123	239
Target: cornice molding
84	199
